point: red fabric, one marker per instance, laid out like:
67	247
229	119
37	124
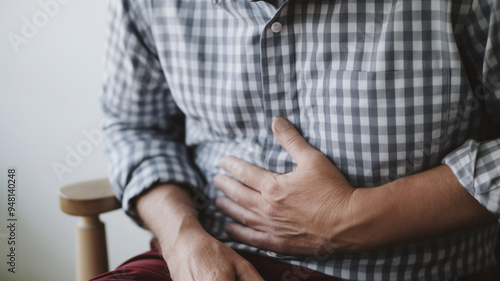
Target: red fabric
151	266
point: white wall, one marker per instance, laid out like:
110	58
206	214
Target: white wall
49	92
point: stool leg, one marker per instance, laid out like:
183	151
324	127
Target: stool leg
91	255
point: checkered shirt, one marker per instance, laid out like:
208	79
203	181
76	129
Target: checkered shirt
384	89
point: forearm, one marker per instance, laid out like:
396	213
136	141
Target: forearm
168	212
423	206
190	252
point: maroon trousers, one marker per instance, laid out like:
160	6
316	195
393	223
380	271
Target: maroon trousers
151	266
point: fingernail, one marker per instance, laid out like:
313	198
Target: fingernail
280	124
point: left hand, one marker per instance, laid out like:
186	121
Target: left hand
304	212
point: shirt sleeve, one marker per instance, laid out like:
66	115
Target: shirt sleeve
477	163
144	128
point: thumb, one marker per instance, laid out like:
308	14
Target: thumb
292	141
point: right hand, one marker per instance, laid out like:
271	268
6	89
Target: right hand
197	256
190	252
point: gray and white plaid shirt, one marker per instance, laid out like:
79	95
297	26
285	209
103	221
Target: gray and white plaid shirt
384	89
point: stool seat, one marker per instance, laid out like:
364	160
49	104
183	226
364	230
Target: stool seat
88	198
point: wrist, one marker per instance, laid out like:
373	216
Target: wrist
345	225
364	209
189	243
185	233
357	228
378	214
169	214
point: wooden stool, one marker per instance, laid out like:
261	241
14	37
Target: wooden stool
87	200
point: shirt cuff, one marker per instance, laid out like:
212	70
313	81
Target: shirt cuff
154	171
477	167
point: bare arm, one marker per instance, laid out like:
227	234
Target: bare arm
167	210
314	208
418	207
190	252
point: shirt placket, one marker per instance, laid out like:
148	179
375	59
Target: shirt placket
279	87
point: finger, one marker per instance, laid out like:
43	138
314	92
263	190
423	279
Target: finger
245	172
245	271
250	236
240	214
239	193
292	141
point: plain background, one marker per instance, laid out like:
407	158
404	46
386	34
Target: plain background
49	93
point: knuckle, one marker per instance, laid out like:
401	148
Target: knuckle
265	242
236	197
253	239
241	175
280	245
269	211
245	219
271	190
235	169
293	139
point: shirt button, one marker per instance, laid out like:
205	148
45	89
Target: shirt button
271	254
276	27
